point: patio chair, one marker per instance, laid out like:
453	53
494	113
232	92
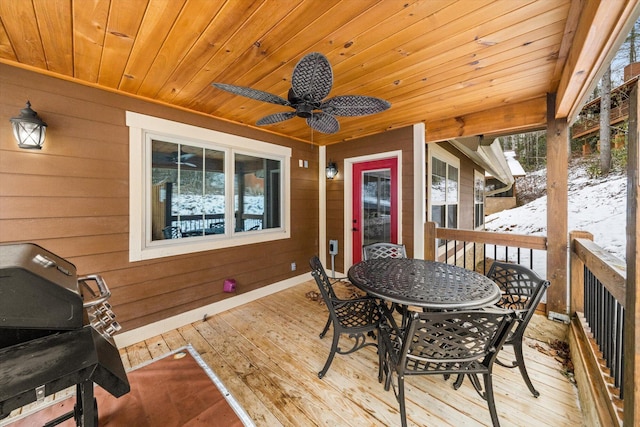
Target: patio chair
383	250
171	232
356	317
522	291
463	343
387	250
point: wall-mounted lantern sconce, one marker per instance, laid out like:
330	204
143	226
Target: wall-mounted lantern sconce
332	170
28	128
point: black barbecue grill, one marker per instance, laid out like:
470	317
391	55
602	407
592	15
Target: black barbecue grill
55	332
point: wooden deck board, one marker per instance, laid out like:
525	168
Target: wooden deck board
268	354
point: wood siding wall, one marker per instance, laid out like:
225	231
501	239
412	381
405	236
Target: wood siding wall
72	198
401	139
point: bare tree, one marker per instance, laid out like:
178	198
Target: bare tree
605	122
632	45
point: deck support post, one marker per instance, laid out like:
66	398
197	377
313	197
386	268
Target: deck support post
631	350
557	209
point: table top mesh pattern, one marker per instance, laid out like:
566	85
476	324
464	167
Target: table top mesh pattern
424	283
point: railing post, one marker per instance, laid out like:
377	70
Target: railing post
632	306
430	241
557	216
576	279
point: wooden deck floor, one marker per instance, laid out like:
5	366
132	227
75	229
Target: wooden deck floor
268	354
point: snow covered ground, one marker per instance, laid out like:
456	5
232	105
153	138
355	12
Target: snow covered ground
595	205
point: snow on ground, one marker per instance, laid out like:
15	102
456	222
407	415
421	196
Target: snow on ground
595	205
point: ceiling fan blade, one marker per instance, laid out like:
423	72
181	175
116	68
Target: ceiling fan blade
276	118
252	93
323	123
354	105
312	77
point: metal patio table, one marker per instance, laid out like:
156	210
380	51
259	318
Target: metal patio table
428	284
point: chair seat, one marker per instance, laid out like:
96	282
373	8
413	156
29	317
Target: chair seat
359	313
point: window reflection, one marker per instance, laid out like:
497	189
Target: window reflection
376	206
188	194
444	194
257	191
188	197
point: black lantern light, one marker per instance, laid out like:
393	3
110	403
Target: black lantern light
332	170
28	128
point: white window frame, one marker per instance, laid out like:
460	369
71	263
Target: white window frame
448	158
141	129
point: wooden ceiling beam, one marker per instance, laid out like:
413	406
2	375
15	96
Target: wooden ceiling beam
528	115
610	21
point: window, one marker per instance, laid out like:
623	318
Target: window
478	199
444	178
444	192
194	189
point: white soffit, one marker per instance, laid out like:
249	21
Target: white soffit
487	154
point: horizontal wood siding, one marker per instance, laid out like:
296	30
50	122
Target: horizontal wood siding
400	139
72	198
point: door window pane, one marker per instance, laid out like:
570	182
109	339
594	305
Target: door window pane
376	206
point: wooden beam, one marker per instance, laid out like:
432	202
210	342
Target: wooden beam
631	386
592	48
528	115
557	210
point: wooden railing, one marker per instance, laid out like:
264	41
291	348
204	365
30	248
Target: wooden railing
587	125
192	223
473	249
598	290
597	298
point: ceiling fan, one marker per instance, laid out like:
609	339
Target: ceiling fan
311	82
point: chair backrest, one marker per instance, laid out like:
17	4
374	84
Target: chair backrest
171	232
454	341
322	280
383	250
522	289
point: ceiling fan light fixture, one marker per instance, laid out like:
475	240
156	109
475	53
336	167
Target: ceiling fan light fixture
304	110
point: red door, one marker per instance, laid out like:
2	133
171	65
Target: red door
375	204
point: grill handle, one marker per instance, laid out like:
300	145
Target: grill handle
105	293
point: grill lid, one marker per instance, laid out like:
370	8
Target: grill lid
38	290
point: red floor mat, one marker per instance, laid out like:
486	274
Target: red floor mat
172	391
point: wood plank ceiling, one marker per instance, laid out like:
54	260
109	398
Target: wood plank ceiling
436	61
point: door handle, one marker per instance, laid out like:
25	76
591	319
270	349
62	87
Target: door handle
354	229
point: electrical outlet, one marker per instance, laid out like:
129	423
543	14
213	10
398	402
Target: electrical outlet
293	266
333	247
